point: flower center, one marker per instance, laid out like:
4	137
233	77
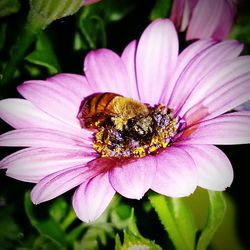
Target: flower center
127	128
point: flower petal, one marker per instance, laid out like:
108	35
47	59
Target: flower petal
20	113
218	84
177	11
176	174
106	72
222	74
33	164
205	19
134	178
203	58
33	137
92	198
87	2
60	98
221	100
58	183
155	59
231	128
77	85
226	20
184	64
215	171
244	106
128	57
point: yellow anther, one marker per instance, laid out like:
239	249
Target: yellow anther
140	152
152	149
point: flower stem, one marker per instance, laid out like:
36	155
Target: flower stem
216	211
165	211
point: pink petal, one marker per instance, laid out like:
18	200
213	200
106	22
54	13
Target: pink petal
20	113
226	20
177	12
244	106
187	13
155	59
215	171
205	19
128	57
87	2
58	183
231	128
222	74
36	137
184	64
221	100
106	72
223	78
176	174
61	97
33	164
134	178
202	61
92	198
77	85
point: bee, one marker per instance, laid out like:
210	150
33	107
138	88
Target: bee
101	109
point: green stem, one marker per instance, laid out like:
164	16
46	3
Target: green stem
163	209
27	36
68	220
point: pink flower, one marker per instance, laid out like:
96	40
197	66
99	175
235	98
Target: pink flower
87	2
204	18
199	87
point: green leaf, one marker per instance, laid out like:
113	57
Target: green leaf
94	20
184	220
118	243
216	211
132	241
44	12
120	215
117	10
45	243
45	225
228	228
91	30
176	219
59	209
161	9
132	227
133	238
8	7
95	236
44	55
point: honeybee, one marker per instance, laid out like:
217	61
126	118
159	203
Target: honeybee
100	109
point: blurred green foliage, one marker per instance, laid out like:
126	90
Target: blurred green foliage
8	7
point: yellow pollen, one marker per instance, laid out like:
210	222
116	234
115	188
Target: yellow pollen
139	152
144	136
152	149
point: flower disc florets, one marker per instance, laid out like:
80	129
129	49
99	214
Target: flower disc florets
141	136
